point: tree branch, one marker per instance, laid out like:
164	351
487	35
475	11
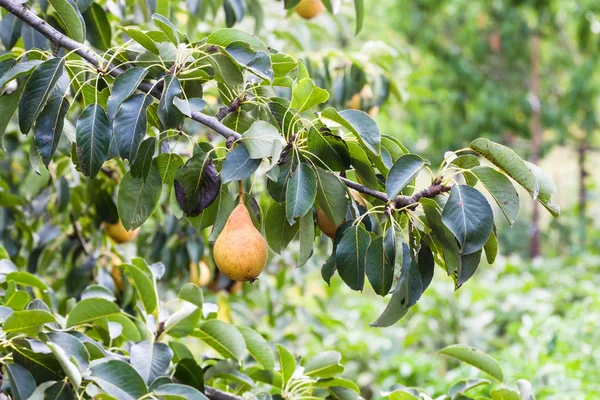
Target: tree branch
94	59
215	394
56	37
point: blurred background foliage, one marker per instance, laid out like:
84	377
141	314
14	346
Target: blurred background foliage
436	74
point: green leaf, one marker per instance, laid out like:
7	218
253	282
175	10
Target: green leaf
168	164
22	384
189	106
129	126
8	106
307	238
350	256
491	248
476	358
197	184
222	337
73	348
362	166
174	391
49	126
328	150
118	379
465	385
167	27
301	192
306	95
69	368
287	364
257	62
501	189
37	91
508	161
93	132
150	360
324	365
71	18
278	231
404	171
504	394
124	86
331	195
224	37
192	293
26	279
89	310
18	70
184	321
143	39
238	165
359	7
468	215
145	287
360	124
379	263
137	199
143	161
260	138
189	373
10	30
168	113
258	348
27	320
57	391
98	28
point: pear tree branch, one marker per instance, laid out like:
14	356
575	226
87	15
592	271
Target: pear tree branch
214	123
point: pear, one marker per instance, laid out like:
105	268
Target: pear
326	225
309	9
200	273
240	251
119	234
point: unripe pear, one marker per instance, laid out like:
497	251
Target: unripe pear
240	251
309	9
119	234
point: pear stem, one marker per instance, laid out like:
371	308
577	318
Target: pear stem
241	190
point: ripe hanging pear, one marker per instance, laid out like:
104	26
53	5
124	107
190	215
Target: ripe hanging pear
240	251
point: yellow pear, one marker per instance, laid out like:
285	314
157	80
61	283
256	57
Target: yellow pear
200	274
115	272
119	234
240	251
309	9
354	102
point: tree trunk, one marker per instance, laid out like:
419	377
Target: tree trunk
582	152
536	137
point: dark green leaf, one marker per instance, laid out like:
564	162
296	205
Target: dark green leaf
10	30
380	263
468	215
8	106
37	90
143	161
168	164
258	347
168	113
98	28
49	127
258	62
404	171
22	384
331	195
93	132
129	126
360	124
278	231
238	165
142	39
167	27
328	150
190	373
173	391
89	310
350	256
301	192
124	86
137	199
222	337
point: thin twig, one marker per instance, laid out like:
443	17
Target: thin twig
79	235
